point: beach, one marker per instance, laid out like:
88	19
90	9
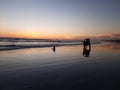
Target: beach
63	69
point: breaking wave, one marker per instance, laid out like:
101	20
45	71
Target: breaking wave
10	44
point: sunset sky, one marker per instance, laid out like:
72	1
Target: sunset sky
60	19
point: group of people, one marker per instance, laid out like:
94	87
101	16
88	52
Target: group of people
86	47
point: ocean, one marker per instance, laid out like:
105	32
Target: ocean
13	43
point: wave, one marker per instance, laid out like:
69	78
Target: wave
11	47
8	44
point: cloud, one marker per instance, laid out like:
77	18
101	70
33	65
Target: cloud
108	36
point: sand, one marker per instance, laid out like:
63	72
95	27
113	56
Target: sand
64	69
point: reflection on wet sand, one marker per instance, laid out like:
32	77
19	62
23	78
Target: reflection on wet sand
112	46
39	68
86	51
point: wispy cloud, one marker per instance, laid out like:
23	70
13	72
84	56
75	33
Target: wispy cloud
108	36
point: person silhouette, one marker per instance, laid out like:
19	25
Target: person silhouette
54	48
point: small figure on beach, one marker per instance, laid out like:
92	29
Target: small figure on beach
54	48
86	47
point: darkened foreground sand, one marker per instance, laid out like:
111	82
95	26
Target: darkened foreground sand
64	69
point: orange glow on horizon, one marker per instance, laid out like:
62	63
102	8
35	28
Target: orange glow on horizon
34	35
54	35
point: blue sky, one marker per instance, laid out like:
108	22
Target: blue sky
60	17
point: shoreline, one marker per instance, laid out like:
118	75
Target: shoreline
15	47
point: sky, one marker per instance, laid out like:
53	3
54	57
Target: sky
60	19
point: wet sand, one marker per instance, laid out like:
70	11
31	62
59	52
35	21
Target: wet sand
64	69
